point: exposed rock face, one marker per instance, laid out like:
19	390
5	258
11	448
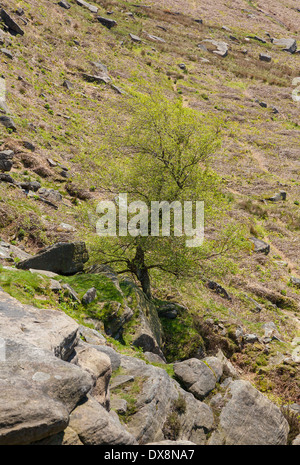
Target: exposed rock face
249	418
62	258
156	399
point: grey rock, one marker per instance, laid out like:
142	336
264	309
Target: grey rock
62	258
135	38
67	84
109	23
296	441
154	402
156	38
6	160
30	186
119	405
295	281
48	329
278	197
265	57
249	418
99	78
8	122
10	22
153	358
99	366
198	377
115	358
250	338
218	47
92	8
4	177
288	45
260	246
95	426
70	293
7	53
91	336
64	4
89	296
120	380
50	194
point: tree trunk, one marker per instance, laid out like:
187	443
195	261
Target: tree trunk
141	271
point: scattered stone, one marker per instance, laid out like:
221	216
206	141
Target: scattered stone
154	358
92	8
156	38
218	47
91	336
278	197
89	296
64	4
288	45
10	22
51	162
182	66
109	23
265	57
6	160
30	186
101	78
50	194
4	177
199	21
218	289
69	292
295	281
263	104
8	122
250	338
259	39
7	53
100	66
135	38
67	84
65	227
29	145
62	258
260	246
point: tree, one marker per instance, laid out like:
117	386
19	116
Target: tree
163	157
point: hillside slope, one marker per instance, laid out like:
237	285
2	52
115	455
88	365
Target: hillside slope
65	82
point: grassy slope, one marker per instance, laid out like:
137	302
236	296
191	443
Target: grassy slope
67	126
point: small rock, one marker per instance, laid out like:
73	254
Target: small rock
250	338
6	157
278	197
30	186
260	246
265	57
64	4
92	8
89	296
7	53
71	293
295	281
135	38
67	84
119	405
8	122
109	23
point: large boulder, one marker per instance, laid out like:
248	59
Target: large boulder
62	258
249	418
48	329
288	45
199	377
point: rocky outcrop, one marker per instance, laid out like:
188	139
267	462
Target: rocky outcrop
41	393
249	418
62	258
